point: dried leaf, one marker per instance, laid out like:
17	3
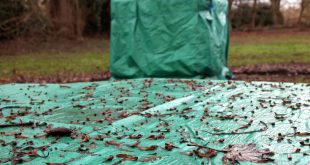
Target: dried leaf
85	138
248	153
142	148
2	142
205	153
228	117
154	137
150	159
19	136
206	112
79	106
169	146
109	158
302	134
150	148
127	157
135	136
113	143
61	131
33	153
123	115
233	97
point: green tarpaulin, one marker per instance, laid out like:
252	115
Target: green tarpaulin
169	38
157	121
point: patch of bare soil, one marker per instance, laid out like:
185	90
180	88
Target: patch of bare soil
32	45
61	78
288	72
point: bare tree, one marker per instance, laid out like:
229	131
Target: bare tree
276	9
20	16
304	9
254	12
230	4
67	17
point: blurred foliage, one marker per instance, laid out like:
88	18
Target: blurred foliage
98	18
76	18
305	13
18	17
21	17
9	14
242	16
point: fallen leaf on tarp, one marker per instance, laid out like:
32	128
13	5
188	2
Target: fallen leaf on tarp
302	134
33	153
142	148
5	160
123	115
150	159
135	136
205	153
92	145
61	131
85	138
248	153
2	142
19	160
228	117
20	136
127	157
156	137
169	146
113	143
79	106
150	148
109	158
90	94
233	97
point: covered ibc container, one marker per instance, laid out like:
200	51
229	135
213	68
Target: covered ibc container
169	39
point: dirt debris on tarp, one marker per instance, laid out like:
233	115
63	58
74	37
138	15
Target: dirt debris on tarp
163	121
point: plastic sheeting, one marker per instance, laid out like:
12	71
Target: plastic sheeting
172	39
170	118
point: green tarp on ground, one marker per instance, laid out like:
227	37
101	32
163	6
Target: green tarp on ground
157	121
169	38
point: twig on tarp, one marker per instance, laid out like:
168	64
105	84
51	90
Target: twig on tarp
300	134
238	133
17	124
11	107
202	146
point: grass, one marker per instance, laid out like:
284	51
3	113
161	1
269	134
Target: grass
40	64
54	58
250	54
245	49
265	48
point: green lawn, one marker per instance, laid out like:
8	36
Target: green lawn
245	49
269	48
40	64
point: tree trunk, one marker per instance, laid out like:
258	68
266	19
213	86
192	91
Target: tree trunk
254	11
230	4
67	18
302	7
276	9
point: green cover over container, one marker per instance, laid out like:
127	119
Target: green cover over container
169	38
